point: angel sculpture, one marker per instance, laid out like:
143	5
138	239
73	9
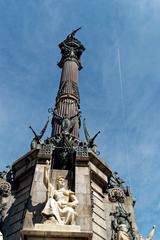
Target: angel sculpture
37	138
89	140
115	181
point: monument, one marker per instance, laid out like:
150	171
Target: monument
61	189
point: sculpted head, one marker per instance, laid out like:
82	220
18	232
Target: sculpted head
123	227
60	181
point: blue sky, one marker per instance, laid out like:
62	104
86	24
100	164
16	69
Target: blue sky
126	110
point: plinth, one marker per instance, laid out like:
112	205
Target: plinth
50	231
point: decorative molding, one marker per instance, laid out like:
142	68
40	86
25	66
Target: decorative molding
116	195
5	188
5	192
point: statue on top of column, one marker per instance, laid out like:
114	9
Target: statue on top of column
71	49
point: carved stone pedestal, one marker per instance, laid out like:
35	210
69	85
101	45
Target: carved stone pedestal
57	232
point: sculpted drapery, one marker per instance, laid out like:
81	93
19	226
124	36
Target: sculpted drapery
61	202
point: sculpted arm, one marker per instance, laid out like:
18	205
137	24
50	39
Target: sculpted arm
46	180
73	200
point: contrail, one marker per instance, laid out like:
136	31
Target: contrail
124	115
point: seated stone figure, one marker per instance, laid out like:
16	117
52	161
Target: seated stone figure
61	203
122	233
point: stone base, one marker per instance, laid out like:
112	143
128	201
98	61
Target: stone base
57	227
50	231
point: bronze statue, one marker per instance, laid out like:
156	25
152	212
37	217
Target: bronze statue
71	48
115	181
72	34
37	138
121	219
67	123
89	140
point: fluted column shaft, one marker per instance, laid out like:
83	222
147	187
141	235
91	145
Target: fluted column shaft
67	101
66	114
